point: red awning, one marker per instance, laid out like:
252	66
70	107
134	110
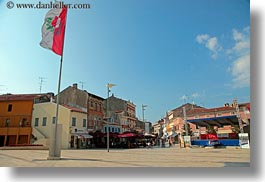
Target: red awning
127	135
100	135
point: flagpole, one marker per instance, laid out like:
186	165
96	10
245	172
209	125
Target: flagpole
55	150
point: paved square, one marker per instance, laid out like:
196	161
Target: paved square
157	157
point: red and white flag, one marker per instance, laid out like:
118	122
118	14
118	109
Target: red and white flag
53	30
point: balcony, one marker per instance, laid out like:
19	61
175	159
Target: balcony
15	130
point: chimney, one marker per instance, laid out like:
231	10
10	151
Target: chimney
226	105
75	85
50	96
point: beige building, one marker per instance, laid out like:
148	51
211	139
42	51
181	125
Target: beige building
157	128
73	120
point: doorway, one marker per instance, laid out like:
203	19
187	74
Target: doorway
2	141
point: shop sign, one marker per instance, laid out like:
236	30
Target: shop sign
243	140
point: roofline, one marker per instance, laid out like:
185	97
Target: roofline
9	97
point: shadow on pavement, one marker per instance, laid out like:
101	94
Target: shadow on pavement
237	164
68	159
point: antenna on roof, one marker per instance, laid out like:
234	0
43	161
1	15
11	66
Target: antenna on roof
82	84
184	98
41	82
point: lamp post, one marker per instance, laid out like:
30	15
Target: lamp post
143	108
185	121
109	85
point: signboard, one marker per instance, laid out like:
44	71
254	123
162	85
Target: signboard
243	140
187	141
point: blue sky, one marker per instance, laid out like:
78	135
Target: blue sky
159	53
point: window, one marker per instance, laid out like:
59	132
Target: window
7	122
84	122
44	121
96	106
100	107
73	121
23	122
9	109
36	122
112	130
53	120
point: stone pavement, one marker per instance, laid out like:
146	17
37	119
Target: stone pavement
156	157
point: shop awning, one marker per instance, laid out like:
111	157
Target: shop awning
149	135
84	136
127	135
215	121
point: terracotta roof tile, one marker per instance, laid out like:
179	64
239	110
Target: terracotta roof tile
75	109
19	97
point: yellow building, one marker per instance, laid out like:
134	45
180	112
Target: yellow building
73	120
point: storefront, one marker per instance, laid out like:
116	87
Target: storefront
80	140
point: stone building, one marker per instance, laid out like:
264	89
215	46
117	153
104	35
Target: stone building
87	102
126	110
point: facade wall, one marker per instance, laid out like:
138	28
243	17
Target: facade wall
74	97
127	110
157	128
114	104
89	103
15	122
66	115
48	111
95	113
148	127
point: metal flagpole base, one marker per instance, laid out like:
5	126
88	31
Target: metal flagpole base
55	143
54	158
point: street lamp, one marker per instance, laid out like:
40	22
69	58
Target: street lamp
143	108
109	85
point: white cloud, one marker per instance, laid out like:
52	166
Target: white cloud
202	38
241	45
242	42
240	70
237	35
210	43
239	53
